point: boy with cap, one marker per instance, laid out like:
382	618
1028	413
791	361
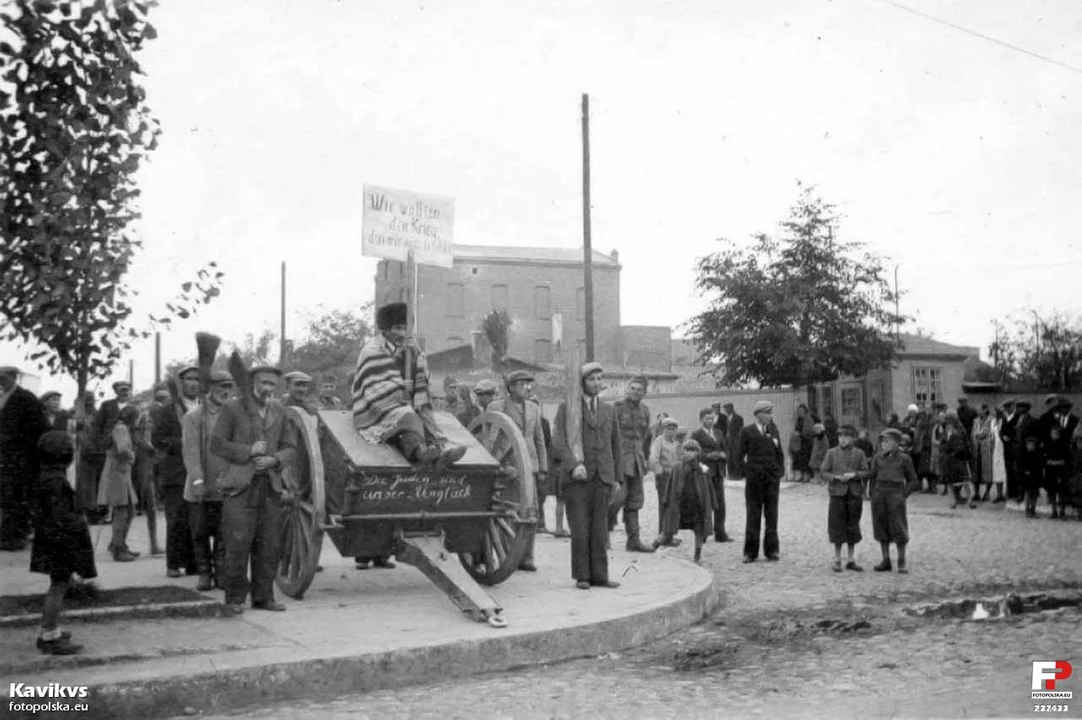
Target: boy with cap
328	386
390	394
201	492
763	462
892	474
844	469
62	545
1031	472
589	480
690	501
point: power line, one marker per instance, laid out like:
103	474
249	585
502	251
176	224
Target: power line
982	36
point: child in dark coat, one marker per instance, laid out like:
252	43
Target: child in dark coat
689	502
892	475
1031	473
62	545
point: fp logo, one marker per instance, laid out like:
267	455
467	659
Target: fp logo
1046	673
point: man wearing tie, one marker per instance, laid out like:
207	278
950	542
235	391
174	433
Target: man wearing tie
589	483
761	457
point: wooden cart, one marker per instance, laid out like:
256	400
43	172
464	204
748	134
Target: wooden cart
462	527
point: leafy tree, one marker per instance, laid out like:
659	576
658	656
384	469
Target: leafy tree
1045	353
497	328
74	129
796	309
334	339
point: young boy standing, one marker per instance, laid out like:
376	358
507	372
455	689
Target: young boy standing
62	544
844	469
891	476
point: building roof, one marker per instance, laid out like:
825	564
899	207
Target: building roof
506	253
922	346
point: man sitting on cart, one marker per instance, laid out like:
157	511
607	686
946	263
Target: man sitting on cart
390	394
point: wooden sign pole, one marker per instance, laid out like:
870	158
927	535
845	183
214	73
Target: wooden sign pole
411	314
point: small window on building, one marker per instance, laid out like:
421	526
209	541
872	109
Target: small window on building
927	384
499	296
580	304
456	300
542	295
542	350
455	342
828	401
851	403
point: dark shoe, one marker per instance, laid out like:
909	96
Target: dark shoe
722	538
131	552
837	566
582	585
606	584
561	534
271	606
673	542
773	558
205	583
884	566
233	609
972	505
155	550
319	568
527	566
384	562
636	545
64	635
123	556
60	646
450	454
191	571
902	569
173	573
361	565
999	500
851	565
218	584
748	559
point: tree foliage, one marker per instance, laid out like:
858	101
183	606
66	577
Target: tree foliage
334	339
796	309
1039	353
497	327
74	129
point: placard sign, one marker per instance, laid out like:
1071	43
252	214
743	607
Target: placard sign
394	222
421	492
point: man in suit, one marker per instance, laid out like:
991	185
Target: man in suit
589	480
298	385
22	423
1007	435
711	441
633	419
763	462
527	415
167	436
732	440
255	440
98	438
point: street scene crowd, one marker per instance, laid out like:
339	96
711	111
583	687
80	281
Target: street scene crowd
213	449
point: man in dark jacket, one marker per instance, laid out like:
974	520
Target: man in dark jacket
22	423
732	438
633	419
256	440
764	463
167	435
589	480
1008	436
711	441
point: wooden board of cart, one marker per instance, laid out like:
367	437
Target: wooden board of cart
423	491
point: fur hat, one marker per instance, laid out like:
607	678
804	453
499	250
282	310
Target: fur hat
392	314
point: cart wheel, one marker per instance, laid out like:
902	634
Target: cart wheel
505	541
301	536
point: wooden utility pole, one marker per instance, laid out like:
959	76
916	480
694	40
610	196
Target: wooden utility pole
587	249
282	338
157	358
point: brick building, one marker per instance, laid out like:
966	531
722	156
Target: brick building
535	285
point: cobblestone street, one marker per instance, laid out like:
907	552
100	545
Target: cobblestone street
794	639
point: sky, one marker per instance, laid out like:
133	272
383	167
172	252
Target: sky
955	156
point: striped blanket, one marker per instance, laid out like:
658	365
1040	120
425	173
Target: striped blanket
379	385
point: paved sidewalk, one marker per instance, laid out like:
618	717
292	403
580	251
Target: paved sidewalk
354	630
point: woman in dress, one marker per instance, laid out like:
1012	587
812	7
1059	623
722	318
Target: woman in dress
982	453
999	464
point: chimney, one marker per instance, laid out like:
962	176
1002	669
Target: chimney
615	255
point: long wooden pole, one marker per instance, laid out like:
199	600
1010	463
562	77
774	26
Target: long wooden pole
157	358
282	340
587	249
411	314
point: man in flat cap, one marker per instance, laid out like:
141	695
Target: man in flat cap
844	469
892	473
297	386
713	451
167	436
486	392
527	416
58	417
590	477
633	420
328	386
257	443
390	394
763	462
201	491
22	423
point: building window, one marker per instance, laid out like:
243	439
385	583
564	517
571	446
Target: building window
455	342
542	296
827	404
580	304
456	300
499	296
851	403
927	385
542	350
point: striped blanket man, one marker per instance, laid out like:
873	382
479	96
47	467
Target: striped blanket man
379	388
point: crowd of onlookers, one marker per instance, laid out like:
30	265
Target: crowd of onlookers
976	454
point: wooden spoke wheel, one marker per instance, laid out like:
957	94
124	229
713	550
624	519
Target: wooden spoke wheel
505	540
301	535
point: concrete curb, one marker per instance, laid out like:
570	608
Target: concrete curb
331	676
191	608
